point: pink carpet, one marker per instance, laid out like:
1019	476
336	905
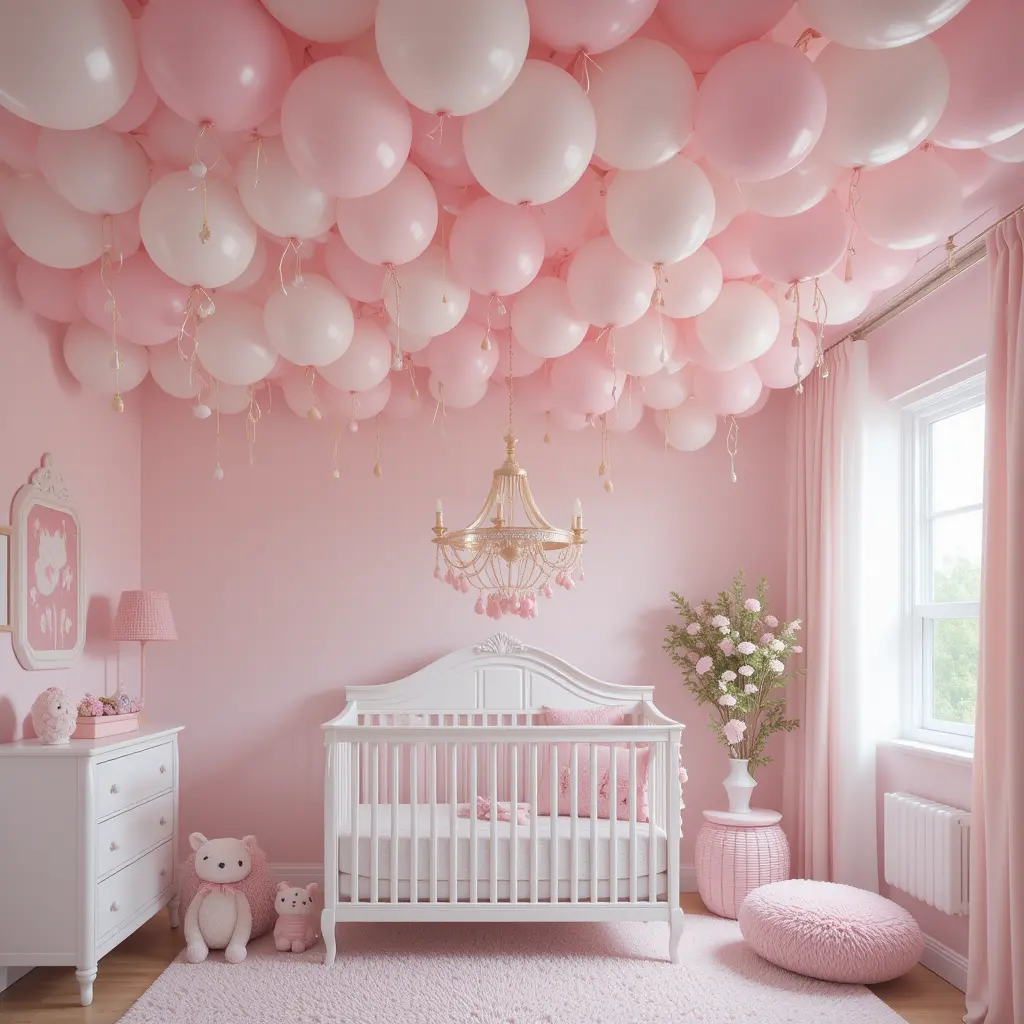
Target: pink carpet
506	974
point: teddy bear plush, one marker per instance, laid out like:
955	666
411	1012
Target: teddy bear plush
294	929
219	916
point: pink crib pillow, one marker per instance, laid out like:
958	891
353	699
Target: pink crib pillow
612	715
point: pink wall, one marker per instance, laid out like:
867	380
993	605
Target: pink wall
287	585
43	409
942	332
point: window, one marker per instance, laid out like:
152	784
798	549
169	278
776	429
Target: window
943	471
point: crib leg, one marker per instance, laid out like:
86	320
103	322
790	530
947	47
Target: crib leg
330	940
675	934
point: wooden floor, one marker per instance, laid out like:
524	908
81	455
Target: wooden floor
49	995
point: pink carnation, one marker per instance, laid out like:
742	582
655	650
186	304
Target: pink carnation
734	730
745	647
767	638
798	650
719	620
703	665
726	648
770	621
692	655
752	604
90	706
693	628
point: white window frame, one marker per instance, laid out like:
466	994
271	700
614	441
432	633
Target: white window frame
918	416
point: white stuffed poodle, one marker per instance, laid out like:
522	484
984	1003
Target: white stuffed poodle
219	916
54	715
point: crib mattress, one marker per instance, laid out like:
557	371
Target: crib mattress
650	841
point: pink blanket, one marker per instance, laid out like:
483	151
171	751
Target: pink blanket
504	813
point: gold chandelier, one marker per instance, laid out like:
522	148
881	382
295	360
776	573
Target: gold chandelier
509	553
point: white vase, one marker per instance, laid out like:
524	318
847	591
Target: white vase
739	784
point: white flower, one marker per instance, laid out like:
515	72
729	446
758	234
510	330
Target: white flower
776	666
752	604
728	675
777	645
749	689
795	625
736	634
734	730
693	628
727	700
724	630
770	621
718	621
723	685
798	650
746	670
767	638
746	647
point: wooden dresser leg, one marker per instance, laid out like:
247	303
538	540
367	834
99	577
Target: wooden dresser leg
85	976
330	941
173	911
675	934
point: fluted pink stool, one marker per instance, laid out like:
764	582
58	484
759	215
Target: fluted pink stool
735	854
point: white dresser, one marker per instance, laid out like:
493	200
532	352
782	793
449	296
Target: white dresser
88	842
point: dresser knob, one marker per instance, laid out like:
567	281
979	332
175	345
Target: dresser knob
163	769
163	871
114	846
114	907
114	789
163	820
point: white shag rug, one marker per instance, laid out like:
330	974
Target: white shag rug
505	974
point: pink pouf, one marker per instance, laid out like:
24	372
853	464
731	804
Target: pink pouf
257	886
829	931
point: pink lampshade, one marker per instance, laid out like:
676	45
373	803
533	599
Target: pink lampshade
143	615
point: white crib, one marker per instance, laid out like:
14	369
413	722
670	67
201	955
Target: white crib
404	757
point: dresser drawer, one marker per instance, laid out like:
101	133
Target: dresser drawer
121	896
125	836
135	777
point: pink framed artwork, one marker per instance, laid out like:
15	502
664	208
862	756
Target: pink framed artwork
48	599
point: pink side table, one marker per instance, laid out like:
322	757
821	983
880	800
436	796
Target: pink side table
735	854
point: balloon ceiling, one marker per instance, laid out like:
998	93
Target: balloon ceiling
669	200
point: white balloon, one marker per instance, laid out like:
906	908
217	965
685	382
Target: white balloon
1009	151
309	397
89	354
253	273
366	361
274	195
840	301
360	405
740	324
691	285
689	427
914	201
229	399
66	63
45	226
664	390
233	344
179	378
534	143
410	342
627	414
423	297
95	169
881	103
643	95
311	324
172	221
644	346
452	56
607	287
661	215
544	321
324	21
797	190
730	201
878	24
464	397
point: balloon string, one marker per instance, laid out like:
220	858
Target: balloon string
806	38
353	424
582	69
313	412
391	277
261	156
107	275
950	248
819	320
378	470
795	343
218	472
336	472
658	299
253	415
732	440
414	391
439	408
547	430
293	245
436	134
851	209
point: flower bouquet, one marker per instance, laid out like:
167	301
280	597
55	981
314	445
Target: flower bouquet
107	716
733	653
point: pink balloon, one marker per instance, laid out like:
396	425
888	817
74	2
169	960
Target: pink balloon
172	141
606	287
732	248
544	320
664	390
628	412
533	393
766	393
17	141
573	218
495	248
986	75
358	279
226	63
150	304
405	401
366	361
569	420
760	110
394	225
345	127
282	368
809	244
459	356
973	167
48	291
137	109
729	392
777	368
875	268
690	350
360	405
490	309
591	26
460	394
523	363
453	199
644	346
584	382
437	146
715	28
689	427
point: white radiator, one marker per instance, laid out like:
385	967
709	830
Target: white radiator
927	851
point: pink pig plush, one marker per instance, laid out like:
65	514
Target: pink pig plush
294	928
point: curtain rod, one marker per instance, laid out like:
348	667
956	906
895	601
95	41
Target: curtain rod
961	258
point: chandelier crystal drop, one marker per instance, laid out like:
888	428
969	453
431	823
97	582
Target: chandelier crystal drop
509	553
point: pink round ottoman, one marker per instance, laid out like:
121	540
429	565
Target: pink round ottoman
735	854
830	931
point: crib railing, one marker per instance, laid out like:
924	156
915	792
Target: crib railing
431	764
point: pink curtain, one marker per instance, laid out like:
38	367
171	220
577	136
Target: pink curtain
995	977
829	781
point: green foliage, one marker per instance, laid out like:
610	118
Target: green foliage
955	644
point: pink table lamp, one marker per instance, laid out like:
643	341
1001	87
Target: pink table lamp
143	615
